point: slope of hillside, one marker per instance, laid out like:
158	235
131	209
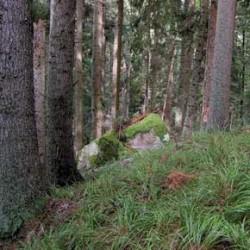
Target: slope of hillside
193	198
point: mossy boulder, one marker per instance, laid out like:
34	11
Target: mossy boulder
109	147
152	122
147	133
99	152
83	159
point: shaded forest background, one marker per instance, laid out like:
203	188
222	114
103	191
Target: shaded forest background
94	65
163	64
150	31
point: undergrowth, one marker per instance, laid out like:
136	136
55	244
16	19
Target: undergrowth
135	207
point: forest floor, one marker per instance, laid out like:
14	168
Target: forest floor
196	197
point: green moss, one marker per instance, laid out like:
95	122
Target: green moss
152	121
94	160
109	146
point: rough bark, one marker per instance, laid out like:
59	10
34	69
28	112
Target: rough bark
98	67
39	44
197	69
116	70
59	145
219	118
19	159
79	78
209	59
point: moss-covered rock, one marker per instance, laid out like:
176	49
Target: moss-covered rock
146	134
152	122
85	156
99	152
109	147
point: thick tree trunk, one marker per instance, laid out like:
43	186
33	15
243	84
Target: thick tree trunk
60	154
19	159
209	60
98	67
197	69
186	60
116	71
39	43
78	119
221	69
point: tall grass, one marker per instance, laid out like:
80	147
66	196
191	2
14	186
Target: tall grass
133	208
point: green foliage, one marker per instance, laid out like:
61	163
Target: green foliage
152	121
40	10
133	208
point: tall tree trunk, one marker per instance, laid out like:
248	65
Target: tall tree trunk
154	67
98	67
126	88
116	71
242	85
148	91
19	159
186	60
209	60
221	69
175	6
197	69
145	107
39	43
60	153
166	114
78	119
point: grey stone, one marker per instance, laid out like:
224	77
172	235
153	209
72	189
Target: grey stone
146	141
83	158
